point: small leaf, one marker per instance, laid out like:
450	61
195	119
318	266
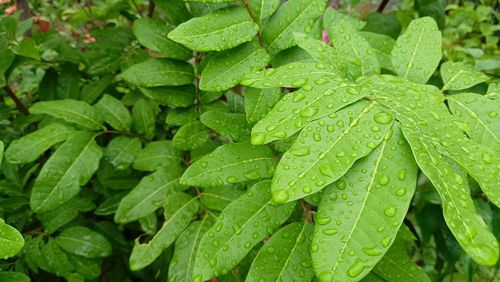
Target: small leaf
226	124
11	241
219	30
191	136
457	76
70	167
73	111
417	52
114	113
242	225
261	10
144	118
29	147
382	45
258	102
122	151
174	96
159	72
227	68
285	257
158	154
231	163
332	18
84	242
149	194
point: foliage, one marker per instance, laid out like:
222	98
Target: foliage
249	140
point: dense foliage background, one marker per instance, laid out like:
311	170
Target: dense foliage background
138	140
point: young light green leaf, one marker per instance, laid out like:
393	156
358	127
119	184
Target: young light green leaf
122	151
159	72
417	52
11	241
77	112
376	194
242	225
227	124
150	194
332	18
174	96
382	45
258	102
182	263
285	257
457	76
158	154
292	16
261	10
29	147
180	209
144	118
7	276
191	136
216	31
60	178
153	34
83	241
231	163
218	198
114	113
227	68
296	110
327	148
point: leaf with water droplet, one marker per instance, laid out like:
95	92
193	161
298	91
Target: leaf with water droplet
159	72
11	240
114	113
382	46
83	241
191	136
227	124
457	76
258	102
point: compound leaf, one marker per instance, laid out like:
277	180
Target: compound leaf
74	111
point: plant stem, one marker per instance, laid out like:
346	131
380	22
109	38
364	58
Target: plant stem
151	8
382	6
19	104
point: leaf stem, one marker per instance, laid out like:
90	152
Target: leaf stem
259	37
382	6
19	104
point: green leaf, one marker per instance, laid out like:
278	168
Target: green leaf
261	10
457	76
219	30
242	225
7	276
258	102
285	257
327	148
227	124
89	268
110	205
227	68
158	154
176	117
1	152
231	163
144	118
175	96
122	151
77	112
150	194
70	167
114	113
11	241
92	90
55	259
182	263
180	209
465	223
292	16
153	34
218	198
26	48
159	72
191	136
29	147
332	18
375	194
382	45
85	242
417	52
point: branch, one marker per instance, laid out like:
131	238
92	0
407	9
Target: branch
19	104
151	8
382	5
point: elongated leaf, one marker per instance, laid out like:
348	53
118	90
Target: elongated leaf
261	10
153	35
114	112
180	209
55	259
242	225
191	136
359	216
285	257
227	68
11	241
333	17
77	112
382	45
181	266
29	147
174	96
227	124
327	148
465	223
93	89
295	111
159	72
84	242
89	268
457	76
156	155
292	16
218	198
144	118
110	205
121	151
231	163
417	52
258	102
222	29
150	194
70	167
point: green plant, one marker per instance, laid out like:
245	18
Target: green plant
238	145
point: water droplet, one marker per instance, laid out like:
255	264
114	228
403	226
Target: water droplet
258	138
402	174
390	211
384	179
374	251
401	192
299	151
356	268
280	196
487	157
382	118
